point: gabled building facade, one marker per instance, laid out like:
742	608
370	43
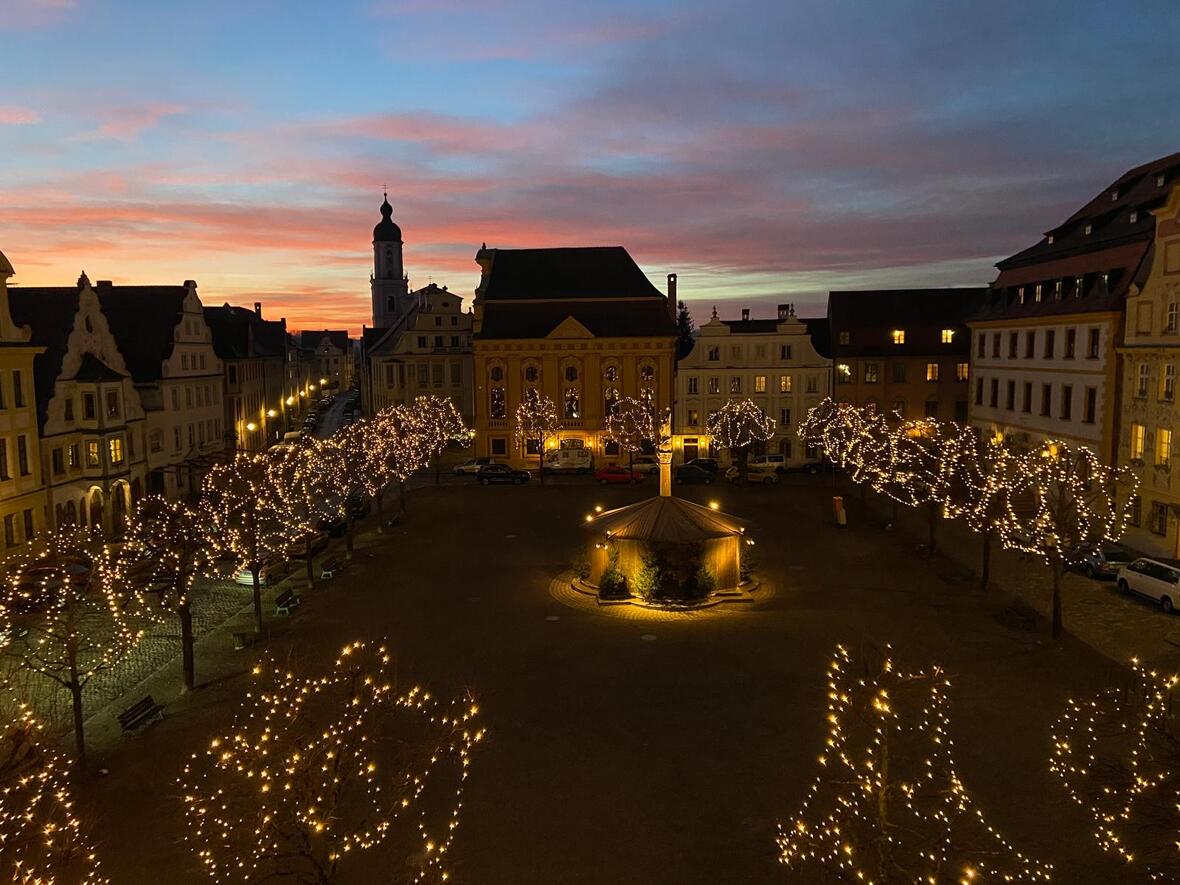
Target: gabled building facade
773	362
259	404
1045	359
427	353
168	348
583	326
1149	360
329	357
903	350
22	492
92	454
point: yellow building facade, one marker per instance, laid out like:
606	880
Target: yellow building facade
584	327
22	490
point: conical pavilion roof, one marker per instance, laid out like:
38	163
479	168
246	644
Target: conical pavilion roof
666	519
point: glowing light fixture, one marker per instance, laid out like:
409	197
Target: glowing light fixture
251	426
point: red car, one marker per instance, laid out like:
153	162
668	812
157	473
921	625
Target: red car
608	475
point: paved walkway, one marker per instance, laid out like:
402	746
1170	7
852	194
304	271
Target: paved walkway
630	751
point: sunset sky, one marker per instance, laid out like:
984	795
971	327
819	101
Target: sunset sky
766	150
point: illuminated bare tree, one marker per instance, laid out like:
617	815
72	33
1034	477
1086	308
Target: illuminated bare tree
167	547
440	424
1117	759
65	614
249	521
536	422
41	839
316	770
635	426
888	805
736	426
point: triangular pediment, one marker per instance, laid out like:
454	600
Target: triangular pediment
570	328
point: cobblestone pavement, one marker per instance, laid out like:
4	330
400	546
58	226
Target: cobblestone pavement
634	751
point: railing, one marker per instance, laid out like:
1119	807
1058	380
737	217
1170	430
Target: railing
572	424
497	424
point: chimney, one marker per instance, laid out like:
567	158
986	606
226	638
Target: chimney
672	293
784	311
104	284
745	314
258	309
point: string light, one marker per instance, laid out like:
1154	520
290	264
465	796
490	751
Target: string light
1055	501
737	425
304	778
636	426
41	839
536	421
65	613
1117	760
888	804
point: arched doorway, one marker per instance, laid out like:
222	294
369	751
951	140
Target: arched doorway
136	491
96	510
119	508
71	513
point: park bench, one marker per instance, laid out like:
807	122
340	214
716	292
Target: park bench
140	713
329	567
286	602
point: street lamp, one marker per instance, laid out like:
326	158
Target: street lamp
290	400
251	426
270	413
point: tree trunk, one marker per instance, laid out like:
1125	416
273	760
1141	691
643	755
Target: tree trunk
541	463
1058	627
75	687
438	469
743	459
380	496
186	644
254	570
933	511
401	494
310	565
985	567
348	537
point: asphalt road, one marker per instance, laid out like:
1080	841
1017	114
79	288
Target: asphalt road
637	751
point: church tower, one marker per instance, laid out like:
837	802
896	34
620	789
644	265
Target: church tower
389	282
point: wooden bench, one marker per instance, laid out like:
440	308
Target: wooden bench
286	602
330	567
140	713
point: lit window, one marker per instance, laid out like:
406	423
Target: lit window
1163	445
843	373
948	336
759	384
784	383
932	371
714	384
899	336
1088	229
960	371
116	447
1138	431
1141	390
93	454
844	337
872	373
1134	217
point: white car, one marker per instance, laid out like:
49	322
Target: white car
470	468
1153	580
777	463
759	473
273	570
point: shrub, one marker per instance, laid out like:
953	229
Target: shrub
649	578
613	583
581	566
704	583
748	562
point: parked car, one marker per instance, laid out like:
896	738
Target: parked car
1154	580
1102	562
758	473
648	464
359	508
568	461
299	549
491	473
777	463
608	475
689	474
471	467
333	527
710	464
811	467
273	570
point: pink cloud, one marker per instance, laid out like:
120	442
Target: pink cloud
18	14
14	115
127	123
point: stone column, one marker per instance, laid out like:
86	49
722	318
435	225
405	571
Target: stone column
665	474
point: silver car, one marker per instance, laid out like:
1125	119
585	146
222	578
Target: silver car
1153	580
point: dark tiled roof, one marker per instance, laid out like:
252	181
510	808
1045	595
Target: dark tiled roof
49	313
143	319
1108	216
571	273
312	340
94	369
870	316
239	333
602	319
751	327
821	339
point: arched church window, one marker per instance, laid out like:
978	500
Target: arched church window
647	372
498	405
531	374
611	374
611	399
646	396
497	374
571	373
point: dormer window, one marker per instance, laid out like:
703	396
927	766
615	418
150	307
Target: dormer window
1039	293
1049	239
899	336
1134	217
948	336
1088	229
1159	180
1114	195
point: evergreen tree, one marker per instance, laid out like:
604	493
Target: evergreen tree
684	331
